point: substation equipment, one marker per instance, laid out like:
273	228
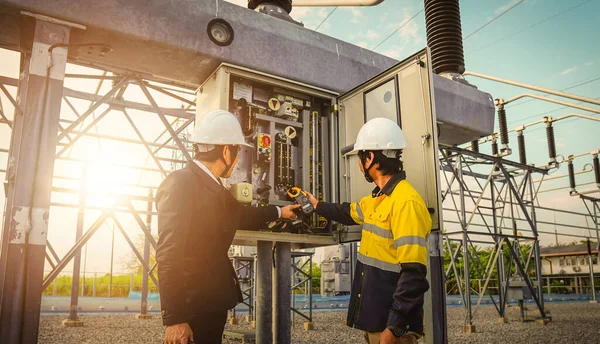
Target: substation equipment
300	96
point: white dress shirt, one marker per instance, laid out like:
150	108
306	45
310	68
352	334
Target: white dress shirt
207	171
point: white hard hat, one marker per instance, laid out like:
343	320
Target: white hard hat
380	134
217	127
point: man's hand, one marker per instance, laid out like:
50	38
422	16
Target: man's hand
313	200
387	337
179	334
287	212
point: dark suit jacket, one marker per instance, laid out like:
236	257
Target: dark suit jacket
197	220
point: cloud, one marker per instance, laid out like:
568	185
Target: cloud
356	14
506	6
322	12
299	13
568	71
362	44
392	53
372	34
589	64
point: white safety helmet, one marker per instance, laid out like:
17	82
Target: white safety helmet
380	134
217	127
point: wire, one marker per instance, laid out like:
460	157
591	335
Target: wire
530	26
493	19
597	77
323	21
398	29
547	112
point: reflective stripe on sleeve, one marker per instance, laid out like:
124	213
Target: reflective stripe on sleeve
359	212
410	240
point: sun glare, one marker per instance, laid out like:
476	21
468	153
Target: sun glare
105	180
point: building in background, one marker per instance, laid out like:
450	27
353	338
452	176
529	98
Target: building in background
566	268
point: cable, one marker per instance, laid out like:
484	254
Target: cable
530	26
493	19
564	89
398	29
323	21
547	112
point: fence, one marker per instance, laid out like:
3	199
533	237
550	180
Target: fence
100	285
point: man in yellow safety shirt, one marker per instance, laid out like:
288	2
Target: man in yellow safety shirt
390	279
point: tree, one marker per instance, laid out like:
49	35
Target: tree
131	263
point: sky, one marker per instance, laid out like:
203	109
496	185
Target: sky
547	43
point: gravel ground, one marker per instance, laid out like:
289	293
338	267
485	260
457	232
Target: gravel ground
571	323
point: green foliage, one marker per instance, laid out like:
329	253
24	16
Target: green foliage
120	286
480	258
316	277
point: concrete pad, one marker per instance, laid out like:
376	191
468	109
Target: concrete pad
253	325
593	302
72	323
309	326
470	329
502	320
143	316
248	319
232	321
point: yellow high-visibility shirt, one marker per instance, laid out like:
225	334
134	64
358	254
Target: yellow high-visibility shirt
395	225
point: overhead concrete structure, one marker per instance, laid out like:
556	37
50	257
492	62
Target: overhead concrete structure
175	35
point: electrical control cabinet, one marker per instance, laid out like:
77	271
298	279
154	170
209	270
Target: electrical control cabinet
287	125
298	134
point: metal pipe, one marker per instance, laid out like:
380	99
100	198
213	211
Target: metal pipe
304	3
596	163
535	88
591	264
552	100
145	266
282	293
463	219
77	258
264	295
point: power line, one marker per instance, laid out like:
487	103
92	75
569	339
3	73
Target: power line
597	77
323	21
552	111
531	26
398	29
493	19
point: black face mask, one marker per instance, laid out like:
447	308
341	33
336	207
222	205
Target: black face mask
363	155
234	152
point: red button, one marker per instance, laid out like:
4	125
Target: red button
266	141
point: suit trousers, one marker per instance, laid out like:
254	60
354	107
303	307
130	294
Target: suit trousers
207	328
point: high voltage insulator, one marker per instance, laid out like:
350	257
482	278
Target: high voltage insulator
503	125
551	142
522	152
596	164
494	148
475	146
444	36
572	175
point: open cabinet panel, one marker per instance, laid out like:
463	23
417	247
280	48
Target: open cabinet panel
287	125
404	94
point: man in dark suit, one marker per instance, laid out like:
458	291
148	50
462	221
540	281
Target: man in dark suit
197	220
